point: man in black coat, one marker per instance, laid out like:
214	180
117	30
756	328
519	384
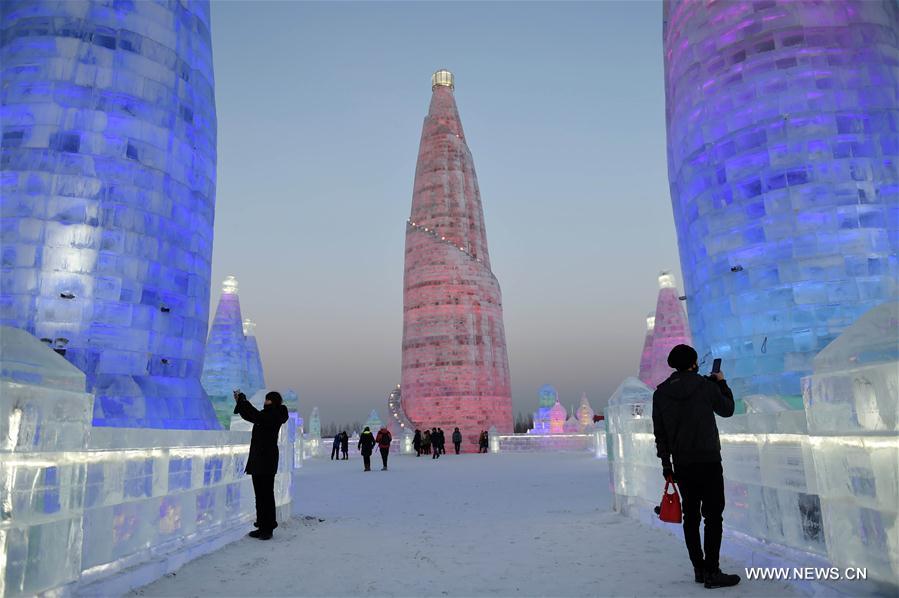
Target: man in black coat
365	445
262	463
683	418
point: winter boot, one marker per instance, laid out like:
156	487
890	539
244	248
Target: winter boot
698	575
717	579
265	535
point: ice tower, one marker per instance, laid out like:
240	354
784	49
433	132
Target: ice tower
669	329
108	158
783	161
255	375
225	367
455	371
646	355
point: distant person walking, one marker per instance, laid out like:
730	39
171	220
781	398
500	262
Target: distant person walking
345	445
435	444
335	446
426	442
365	445
457	439
262	462
442	440
416	443
483	442
384	439
683	419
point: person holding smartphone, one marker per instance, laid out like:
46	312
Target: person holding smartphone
683	420
262	463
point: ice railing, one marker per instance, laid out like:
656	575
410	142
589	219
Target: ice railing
79	504
823	480
593	441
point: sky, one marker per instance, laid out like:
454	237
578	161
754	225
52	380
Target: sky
320	107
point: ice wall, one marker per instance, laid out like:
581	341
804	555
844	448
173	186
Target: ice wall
455	370
109	153
852	404
784	172
225	366
44	412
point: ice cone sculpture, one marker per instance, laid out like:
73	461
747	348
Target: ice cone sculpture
455	371
670	329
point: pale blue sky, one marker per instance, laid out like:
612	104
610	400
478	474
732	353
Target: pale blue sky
320	106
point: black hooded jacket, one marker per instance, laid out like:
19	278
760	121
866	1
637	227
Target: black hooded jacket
683	418
263	459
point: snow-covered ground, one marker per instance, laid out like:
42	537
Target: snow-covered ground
472	525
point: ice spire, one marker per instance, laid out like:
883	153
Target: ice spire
455	369
255	374
225	365
646	355
670	328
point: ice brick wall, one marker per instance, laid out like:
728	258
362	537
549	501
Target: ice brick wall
852	404
108	185
43	409
783	156
455	371
225	365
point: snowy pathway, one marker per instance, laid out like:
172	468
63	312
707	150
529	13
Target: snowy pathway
473	525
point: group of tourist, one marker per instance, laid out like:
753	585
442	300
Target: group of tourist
341	444
433	442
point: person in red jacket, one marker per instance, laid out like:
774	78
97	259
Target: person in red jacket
384	439
262	463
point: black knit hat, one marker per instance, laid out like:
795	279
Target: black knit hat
682	357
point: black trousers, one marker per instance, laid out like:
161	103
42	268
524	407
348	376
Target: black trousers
702	492
264	488
345	454
384	453
335	453
458	444
366	460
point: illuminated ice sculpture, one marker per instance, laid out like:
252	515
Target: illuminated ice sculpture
783	164
669	328
455	370
255	374
225	366
109	156
547	396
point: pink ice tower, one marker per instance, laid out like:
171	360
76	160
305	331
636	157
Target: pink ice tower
646	355
670	328
455	371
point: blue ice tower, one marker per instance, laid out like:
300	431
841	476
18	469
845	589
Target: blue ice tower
255	373
783	160
108	194
225	366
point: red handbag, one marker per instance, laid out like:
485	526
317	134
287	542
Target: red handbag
669	510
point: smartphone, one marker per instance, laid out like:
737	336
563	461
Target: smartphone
716	365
